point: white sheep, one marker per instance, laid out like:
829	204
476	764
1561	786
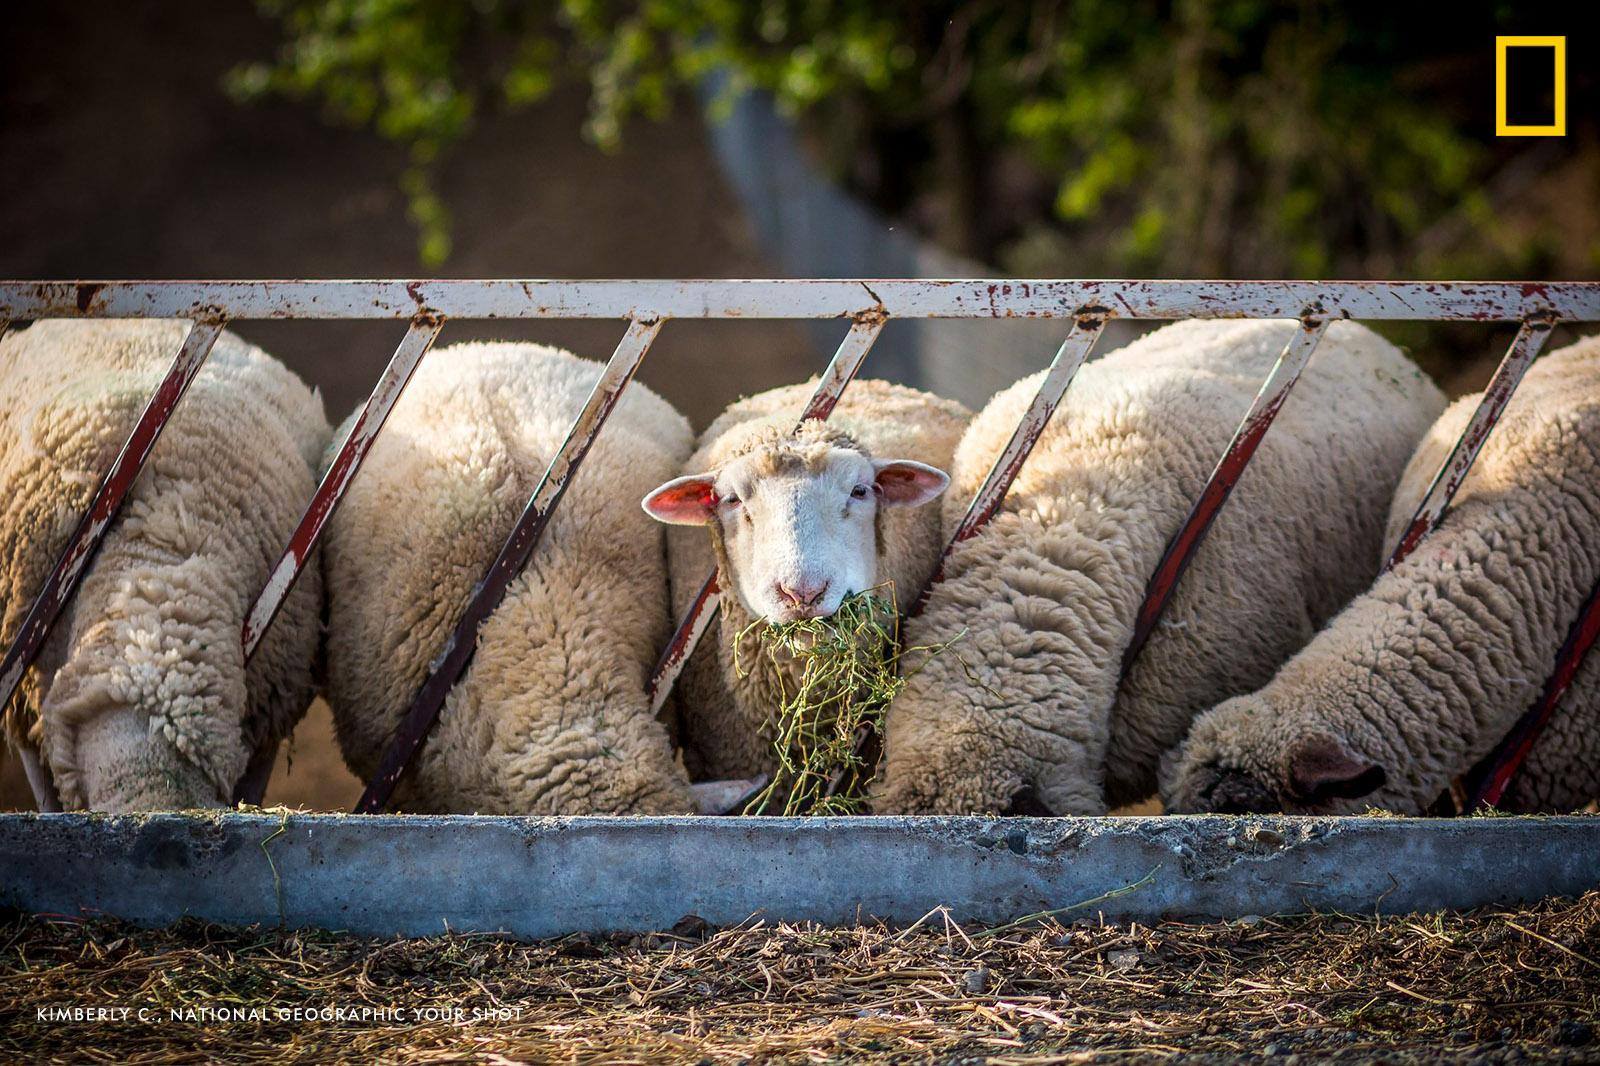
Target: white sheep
551	716
1027	712
798	520
1421	676
141	699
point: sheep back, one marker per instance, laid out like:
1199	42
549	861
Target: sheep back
1427	671
1027	712
141	698
550	717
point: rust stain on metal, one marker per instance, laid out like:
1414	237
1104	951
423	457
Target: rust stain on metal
487	595
1489	780
114	487
86	293
878	310
1219	486
1453	472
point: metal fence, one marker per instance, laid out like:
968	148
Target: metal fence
869	305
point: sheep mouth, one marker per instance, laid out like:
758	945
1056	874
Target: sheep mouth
1231	791
797	614
1236	792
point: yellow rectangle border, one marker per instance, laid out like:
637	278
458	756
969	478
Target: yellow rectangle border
1556	129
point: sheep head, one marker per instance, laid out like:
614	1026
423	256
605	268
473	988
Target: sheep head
794	516
1243	758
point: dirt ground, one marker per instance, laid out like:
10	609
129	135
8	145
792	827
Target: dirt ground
1491	986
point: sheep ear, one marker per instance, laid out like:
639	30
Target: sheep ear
903	483
1322	768
684	501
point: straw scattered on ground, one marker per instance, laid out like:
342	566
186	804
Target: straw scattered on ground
1493	985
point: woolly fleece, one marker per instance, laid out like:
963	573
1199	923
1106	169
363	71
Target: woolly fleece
1426	672
1030	715
140	699
551	717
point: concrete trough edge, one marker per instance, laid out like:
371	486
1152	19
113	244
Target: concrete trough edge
422	875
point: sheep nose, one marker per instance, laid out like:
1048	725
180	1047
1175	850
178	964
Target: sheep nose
801	594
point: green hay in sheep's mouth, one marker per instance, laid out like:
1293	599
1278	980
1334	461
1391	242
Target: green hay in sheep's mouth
849	666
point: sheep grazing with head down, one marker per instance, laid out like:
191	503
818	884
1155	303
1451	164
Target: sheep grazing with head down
140	699
551	716
799	519
1033	716
1426	672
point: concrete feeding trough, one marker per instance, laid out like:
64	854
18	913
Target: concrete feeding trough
539	877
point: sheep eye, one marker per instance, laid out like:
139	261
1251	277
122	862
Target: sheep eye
859	492
730	500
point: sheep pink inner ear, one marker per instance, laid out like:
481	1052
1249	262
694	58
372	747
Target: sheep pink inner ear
684	501
1321	768
903	483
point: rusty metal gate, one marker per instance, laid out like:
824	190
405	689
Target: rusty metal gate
645	306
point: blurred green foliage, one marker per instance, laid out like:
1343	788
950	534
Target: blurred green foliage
1175	137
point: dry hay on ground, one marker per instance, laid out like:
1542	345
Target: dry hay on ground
1494	985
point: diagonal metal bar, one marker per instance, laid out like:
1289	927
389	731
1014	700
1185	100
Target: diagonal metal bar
514	555
1246	439
421	334
1495	771
1072	354
1487	782
685	639
114	487
992	493
702	612
45	798
1524	348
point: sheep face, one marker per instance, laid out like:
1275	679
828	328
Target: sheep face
1242	758
796	517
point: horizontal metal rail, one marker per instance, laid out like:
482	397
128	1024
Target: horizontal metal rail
1483	301
426	303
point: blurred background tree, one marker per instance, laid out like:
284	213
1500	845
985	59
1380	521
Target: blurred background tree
1086	137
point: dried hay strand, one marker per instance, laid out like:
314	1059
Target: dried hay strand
1493	985
850	670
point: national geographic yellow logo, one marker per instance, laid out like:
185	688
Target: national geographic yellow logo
1525	98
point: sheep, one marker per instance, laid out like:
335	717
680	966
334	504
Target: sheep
551	716
1422	675
1030	714
799	519
141	699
